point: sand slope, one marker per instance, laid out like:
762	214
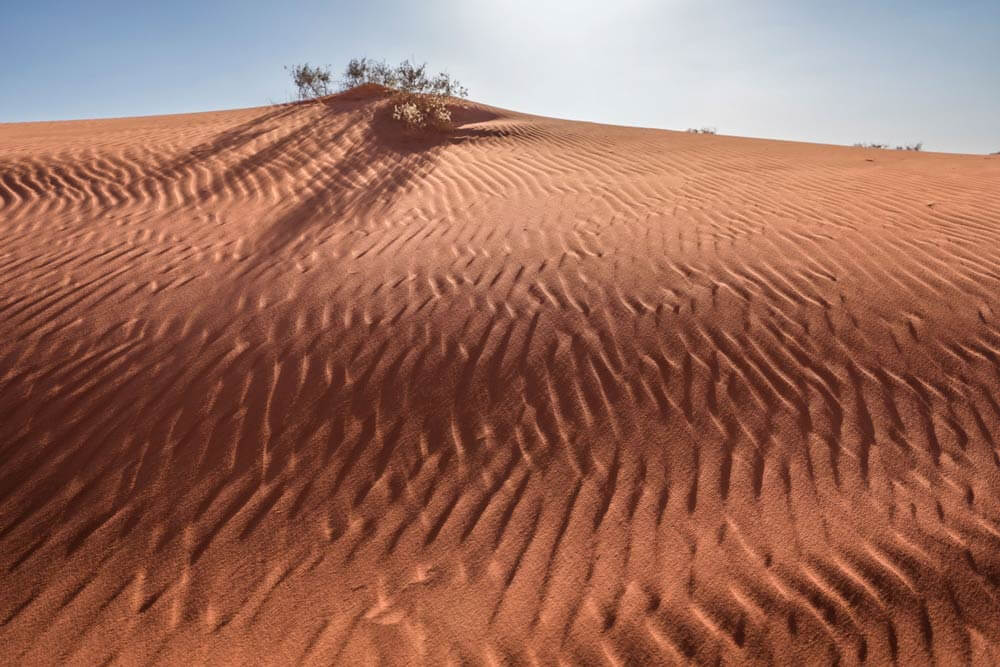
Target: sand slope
278	385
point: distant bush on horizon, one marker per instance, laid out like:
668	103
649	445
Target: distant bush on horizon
701	130
907	147
420	99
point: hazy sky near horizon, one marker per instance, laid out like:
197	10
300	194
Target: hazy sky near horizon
886	71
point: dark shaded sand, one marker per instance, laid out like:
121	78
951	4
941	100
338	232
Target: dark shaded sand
280	385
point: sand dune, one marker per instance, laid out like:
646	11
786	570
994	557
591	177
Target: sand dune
279	385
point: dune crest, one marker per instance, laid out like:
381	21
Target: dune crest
282	385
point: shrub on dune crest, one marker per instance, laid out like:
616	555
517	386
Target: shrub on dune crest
405	77
701	130
312	82
419	99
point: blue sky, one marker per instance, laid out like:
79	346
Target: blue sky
885	71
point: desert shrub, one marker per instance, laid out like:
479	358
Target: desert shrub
419	100
406	77
907	147
421	112
701	130
312	82
361	71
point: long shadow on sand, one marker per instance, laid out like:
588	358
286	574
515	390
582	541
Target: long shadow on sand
360	162
370	162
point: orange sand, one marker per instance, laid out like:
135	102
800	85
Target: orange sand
281	385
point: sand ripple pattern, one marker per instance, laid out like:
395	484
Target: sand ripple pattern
280	386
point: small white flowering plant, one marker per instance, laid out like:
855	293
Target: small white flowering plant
422	112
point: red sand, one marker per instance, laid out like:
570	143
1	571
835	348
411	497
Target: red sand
278	385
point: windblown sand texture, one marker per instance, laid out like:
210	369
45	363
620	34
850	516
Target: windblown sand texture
279	385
